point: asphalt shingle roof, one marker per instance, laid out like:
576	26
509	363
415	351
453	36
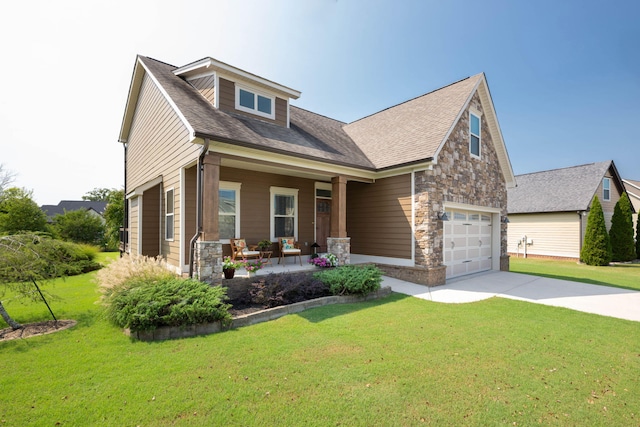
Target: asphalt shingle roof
415	129
73	205
558	190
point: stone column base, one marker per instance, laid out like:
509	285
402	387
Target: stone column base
341	248
504	263
435	276
208	262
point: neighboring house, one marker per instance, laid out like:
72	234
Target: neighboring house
550	208
213	152
95	208
633	191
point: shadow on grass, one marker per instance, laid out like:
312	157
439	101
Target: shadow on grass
582	279
319	314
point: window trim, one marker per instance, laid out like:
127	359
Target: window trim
479	136
255	110
233	186
606	189
282	191
168	215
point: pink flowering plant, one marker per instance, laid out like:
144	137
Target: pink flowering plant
325	260
254	265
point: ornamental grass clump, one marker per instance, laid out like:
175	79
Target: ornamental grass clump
351	279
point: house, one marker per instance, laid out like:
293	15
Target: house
214	152
633	191
94	207
548	210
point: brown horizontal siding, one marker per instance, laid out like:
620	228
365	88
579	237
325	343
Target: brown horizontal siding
379	217
228	103
159	145
190	226
255	204
206	86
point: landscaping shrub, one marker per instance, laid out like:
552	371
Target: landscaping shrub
621	232
167	302
351	279
129	270
597	247
283	289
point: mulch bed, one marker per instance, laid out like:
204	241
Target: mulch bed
35	329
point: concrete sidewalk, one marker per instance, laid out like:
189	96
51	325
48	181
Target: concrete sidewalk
603	300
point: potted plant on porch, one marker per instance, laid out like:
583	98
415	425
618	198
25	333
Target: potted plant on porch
229	267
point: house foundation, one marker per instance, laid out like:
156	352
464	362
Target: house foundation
434	276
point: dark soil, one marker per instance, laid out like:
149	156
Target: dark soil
35	329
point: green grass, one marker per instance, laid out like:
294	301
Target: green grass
399	361
625	276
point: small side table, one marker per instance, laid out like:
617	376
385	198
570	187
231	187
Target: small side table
266	255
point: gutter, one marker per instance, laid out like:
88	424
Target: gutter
192	243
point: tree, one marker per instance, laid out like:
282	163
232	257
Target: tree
114	218
19	213
24	261
638	237
99	194
596	249
6	178
621	232
80	226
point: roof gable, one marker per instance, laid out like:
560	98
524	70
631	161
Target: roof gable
559	190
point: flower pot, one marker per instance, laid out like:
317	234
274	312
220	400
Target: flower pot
252	273
229	273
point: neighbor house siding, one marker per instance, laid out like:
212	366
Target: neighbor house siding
207	87
228	103
255	205
159	145
379	217
553	234
608	206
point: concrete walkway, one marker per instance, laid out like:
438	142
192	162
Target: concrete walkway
603	300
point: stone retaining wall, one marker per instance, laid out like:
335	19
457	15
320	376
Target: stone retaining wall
170	332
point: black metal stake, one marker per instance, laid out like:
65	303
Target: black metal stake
45	301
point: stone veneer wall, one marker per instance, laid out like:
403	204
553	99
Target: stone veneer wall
341	248
208	262
459	178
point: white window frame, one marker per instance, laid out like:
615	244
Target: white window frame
479	136
255	103
606	189
231	186
169	216
282	191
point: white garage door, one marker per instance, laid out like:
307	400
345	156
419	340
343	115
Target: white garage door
467	242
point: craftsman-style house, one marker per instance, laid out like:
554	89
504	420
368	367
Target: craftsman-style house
214	152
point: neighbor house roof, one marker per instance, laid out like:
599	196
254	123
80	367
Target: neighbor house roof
73	205
633	191
558	190
416	129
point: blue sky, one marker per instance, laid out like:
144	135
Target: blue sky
564	75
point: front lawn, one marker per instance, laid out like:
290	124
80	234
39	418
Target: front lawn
619	275
396	361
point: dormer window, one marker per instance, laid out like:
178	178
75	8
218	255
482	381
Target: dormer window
250	101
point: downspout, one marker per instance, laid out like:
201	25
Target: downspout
200	167
125	225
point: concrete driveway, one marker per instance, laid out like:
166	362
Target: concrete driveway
604	300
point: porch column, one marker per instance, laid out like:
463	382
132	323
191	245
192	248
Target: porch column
208	251
210	194
338	243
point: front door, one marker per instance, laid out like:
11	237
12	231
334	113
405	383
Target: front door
323	223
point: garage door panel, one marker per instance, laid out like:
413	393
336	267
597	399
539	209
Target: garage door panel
467	242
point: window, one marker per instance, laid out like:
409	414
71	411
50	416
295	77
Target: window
284	212
229	210
168	215
474	130
254	103
606	189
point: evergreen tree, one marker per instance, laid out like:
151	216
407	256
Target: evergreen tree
596	249
638	237
621	232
